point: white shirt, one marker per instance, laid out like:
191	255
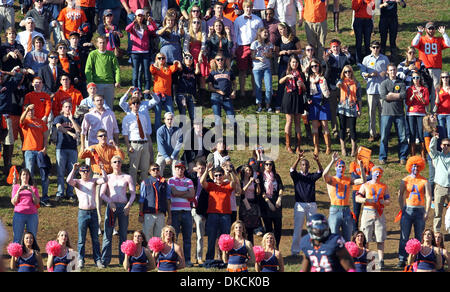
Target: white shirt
22	38
246	29
144	108
285	10
130	127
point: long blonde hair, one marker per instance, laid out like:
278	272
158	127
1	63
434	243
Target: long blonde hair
198	35
214	66
263	241
244	231
172	229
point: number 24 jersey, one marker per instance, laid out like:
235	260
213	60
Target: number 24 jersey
323	258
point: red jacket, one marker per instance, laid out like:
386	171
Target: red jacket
415	103
443	103
361	8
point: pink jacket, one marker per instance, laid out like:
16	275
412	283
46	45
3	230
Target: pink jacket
141	44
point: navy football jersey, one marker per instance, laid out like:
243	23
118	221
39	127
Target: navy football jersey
323	258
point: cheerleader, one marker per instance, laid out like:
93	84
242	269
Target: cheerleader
142	260
171	258
59	263
30	260
273	260
439	237
242	252
361	259
429	258
293	104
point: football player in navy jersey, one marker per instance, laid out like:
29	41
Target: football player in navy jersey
323	250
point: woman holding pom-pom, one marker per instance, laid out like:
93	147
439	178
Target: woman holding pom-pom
58	260
171	257
359	254
273	260
142	259
428	258
30	259
242	252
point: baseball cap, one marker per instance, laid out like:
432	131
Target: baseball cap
429	24
91	84
74	33
107	12
139	12
180	163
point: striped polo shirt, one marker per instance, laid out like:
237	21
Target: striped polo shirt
181	184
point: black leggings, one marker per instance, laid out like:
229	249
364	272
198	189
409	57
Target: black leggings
274	225
344	123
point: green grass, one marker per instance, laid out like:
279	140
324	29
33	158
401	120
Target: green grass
417	13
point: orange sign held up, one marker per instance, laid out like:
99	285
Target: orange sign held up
364	155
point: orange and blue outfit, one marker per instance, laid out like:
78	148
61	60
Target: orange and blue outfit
413	212
60	263
271	264
238	257
361	262
426	262
139	264
340	215
28	264
168	262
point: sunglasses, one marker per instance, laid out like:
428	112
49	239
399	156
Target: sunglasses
268	164
59	48
117	161
101	136
315	66
53	57
219	59
136	102
195	10
218	175
416	77
196	22
155	169
445	77
189	57
445	145
309	50
161	58
84	170
431	28
347	71
375	47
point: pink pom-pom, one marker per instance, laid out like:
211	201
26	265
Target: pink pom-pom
259	253
128	247
226	242
15	249
352	249
53	248
156	244
413	246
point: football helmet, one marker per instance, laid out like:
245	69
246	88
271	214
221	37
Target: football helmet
318	227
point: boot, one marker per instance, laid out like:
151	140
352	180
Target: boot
336	22
299	140
327	139
423	150
343	151
412	148
316	143
288	143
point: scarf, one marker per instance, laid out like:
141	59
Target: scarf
291	84
268	183
348	91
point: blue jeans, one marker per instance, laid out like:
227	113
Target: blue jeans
444	122
259	75
65	159
416	128
183	220
141	65
411	216
217	103
110	221
31	221
363	31
189	103
216	225
341	221
386	124
88	219
31	164
167	104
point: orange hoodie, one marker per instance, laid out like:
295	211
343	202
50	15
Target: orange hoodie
72	94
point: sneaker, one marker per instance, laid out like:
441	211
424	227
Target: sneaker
259	110
403	162
100	265
200	262
80	264
269	110
115	232
382	162
46	204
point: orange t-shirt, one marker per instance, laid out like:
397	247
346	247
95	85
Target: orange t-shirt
219	198
72	19
430	51
339	191
415	190
72	94
42	103
33	134
163	79
228	10
105	154
362	8
315	11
